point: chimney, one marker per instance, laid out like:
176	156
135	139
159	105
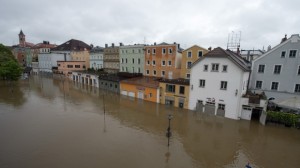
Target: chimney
113	44
269	48
154	43
178	45
209	48
106	45
238	52
121	44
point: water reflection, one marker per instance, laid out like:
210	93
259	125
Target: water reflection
63	124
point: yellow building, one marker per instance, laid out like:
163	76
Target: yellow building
81	56
146	88
175	92
189	56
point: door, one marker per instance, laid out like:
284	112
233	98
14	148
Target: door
124	92
131	94
141	95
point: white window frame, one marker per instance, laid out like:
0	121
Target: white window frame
216	65
147	71
284	54
163	64
201	53
153	51
154	73
205	70
223	68
188	75
260	86
170	49
222	87
153	63
148	62
189	52
163	73
187	64
164	51
202	83
274	69
169	63
258	68
221	106
277	86
298	70
148	51
293	50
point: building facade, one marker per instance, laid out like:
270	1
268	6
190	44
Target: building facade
277	72
218	82
111	59
85	78
48	61
96	58
175	92
189	56
67	67
163	60
132	58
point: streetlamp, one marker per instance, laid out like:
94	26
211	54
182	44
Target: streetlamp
169	133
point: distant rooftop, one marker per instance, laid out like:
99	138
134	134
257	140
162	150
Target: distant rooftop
72	45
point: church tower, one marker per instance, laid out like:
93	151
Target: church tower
22	39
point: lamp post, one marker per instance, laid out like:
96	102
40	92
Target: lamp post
169	133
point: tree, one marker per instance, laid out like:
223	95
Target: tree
9	67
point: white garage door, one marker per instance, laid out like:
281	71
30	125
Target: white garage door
141	95
131	94
124	92
246	113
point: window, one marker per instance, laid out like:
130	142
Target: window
122	61
126	69
274	86
205	68
283	54
133	60
221	106
70	66
293	53
153	62
277	69
147	72
132	69
132	51
261	68
170	50
200	54
189	54
139	70
170	88
122	69
181	89
224	68
77	66
258	84
148	51
215	67
59	65
189	65
298	70
153	51
163	51
154	72
150	95
139	61
126	60
202	83
116	86
297	88
162	73
188	75
148	62
163	63
223	85
170	63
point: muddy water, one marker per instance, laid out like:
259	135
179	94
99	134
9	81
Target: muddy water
48	123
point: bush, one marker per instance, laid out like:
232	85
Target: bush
288	119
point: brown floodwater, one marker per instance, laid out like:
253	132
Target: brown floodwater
47	123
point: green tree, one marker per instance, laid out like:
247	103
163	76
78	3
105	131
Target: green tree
9	67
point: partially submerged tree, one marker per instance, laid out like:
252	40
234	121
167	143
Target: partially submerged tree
9	67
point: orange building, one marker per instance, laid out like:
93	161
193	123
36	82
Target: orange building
163	60
66	67
146	88
189	56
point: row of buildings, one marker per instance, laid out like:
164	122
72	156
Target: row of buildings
216	81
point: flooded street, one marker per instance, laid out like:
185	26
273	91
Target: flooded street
48	123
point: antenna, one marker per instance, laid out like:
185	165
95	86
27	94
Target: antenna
234	39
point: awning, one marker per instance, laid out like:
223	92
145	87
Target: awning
293	103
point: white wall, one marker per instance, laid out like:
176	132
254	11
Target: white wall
234	77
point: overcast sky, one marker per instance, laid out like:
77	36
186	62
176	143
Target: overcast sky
188	22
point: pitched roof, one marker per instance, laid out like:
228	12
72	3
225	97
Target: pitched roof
221	53
72	45
21	32
44	45
179	81
195	46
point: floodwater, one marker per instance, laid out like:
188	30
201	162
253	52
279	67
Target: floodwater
47	123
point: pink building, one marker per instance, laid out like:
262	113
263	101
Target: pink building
66	67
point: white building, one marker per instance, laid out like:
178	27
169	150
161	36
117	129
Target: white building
96	58
277	73
85	78
48	61
218	82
